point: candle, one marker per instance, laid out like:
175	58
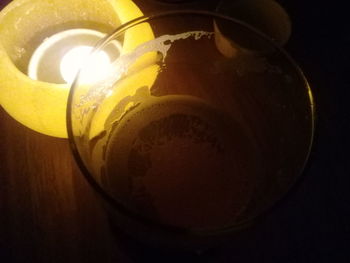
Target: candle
59	58
25	93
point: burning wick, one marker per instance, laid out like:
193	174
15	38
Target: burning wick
98	64
60	57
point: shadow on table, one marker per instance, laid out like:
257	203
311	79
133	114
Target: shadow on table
236	248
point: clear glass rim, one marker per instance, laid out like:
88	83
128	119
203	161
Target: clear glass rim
152	223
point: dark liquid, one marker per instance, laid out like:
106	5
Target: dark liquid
179	161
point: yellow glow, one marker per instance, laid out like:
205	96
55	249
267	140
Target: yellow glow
38	105
73	60
50	52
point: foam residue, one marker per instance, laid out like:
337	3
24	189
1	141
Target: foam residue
121	65
160	44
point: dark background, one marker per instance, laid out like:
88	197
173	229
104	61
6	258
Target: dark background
48	213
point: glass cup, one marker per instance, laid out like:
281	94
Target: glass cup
191	135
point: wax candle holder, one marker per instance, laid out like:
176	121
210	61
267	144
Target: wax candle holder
40	104
184	143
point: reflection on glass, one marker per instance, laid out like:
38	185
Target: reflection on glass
187	139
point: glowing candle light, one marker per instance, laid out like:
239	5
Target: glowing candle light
72	62
59	58
26	25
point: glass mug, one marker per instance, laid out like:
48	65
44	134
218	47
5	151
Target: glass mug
190	136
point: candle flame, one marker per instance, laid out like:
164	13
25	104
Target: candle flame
94	69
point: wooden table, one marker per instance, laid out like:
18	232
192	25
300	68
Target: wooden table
48	212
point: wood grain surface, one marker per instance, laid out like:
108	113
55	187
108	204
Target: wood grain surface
48	212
